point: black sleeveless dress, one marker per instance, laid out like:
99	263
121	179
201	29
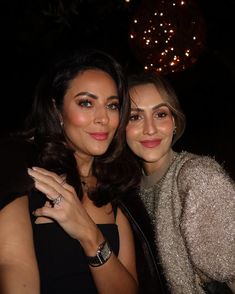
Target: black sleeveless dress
62	263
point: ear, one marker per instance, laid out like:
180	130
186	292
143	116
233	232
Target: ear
174	130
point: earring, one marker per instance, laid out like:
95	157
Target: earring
174	132
61	123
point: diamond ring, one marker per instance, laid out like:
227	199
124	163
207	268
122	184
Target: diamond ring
57	200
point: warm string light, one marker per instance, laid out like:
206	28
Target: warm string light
168	36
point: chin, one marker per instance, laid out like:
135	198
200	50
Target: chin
98	152
98	149
150	159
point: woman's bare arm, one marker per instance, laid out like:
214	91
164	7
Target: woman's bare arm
118	274
18	266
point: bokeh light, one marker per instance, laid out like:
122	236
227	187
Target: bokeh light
167	36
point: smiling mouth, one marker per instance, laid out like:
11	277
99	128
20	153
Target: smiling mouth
99	136
151	143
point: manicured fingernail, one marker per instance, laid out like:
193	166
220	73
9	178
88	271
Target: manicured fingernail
30	171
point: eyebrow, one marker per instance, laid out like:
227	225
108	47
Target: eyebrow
154	108
94	96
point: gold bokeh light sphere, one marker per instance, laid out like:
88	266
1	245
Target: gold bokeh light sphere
167	36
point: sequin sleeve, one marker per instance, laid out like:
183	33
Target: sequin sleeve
208	219
14	160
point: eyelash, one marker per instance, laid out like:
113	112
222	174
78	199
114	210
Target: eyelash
134	117
160	115
88	104
113	106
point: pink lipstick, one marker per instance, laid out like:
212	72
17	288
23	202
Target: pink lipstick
151	143
99	136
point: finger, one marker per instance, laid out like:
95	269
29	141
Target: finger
52	194
62	181
57	200
58	178
46	212
46	189
48	204
52	184
46	179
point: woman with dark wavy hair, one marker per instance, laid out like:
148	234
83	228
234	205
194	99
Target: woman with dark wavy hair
66	167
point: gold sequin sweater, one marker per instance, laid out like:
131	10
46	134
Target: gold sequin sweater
192	207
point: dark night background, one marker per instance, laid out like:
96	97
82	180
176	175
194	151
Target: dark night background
33	32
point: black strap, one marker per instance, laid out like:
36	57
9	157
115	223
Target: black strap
150	279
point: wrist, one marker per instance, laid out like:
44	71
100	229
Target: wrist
103	253
92	239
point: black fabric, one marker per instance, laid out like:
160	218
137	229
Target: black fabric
16	155
62	263
150	276
215	287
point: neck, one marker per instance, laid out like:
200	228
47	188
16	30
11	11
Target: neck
150	179
160	166
88	182
84	164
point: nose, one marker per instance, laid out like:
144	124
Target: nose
101	116
150	127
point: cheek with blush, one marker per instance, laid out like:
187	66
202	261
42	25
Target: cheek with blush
133	136
114	120
77	119
167	128
132	133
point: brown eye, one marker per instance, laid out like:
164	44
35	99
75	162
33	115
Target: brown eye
134	117
162	114
113	106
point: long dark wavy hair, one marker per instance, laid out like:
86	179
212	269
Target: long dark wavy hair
113	169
